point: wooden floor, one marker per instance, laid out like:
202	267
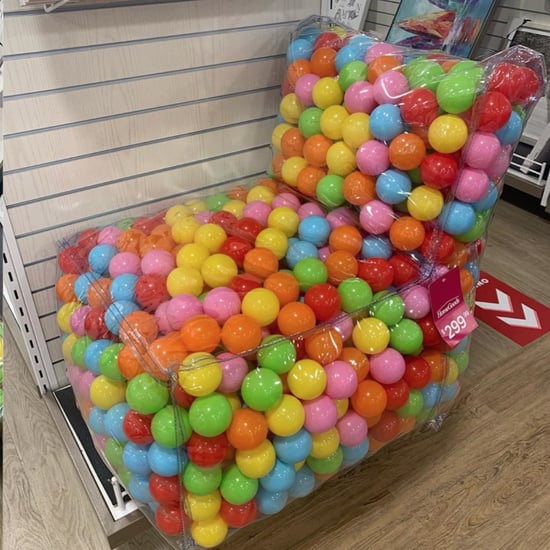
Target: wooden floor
482	482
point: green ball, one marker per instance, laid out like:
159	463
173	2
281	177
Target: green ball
108	364
456	93
330	190
146	395
262	389
309	272
387	307
210	415
309	122
216	202
125	224
462	360
170	426
414	404
79	349
477	230
415	175
406	337
124	476
354	71
276	353
470	68
113	453
237	488
328	465
425	415
422	72
355	294
201	481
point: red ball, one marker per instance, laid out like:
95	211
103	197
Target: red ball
73	259
165	490
244	283
146	224
170	519
405	269
236	248
419	107
530	85
95	326
518	84
88	239
137	427
378	272
207	451
397	394
439	170
417	372
431	336
247	228
491	111
328	40
387	428
224	219
150	291
182	398
437	245
324	300
239	515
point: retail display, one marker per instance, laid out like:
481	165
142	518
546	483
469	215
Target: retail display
236	350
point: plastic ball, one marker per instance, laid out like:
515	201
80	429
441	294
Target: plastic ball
262	389
391	86
309	122
270	502
328	465
359	97
321	414
106	393
414	404
376	217
456	92
170	426
304	483
457	217
371	335
406	337
393	186
210	415
472	185
323	61
298	250
355	294
295	318
419	107
353	71
310	272
138	487
277	354
284	285
324	300
354	454
262	305
341	380
135	459
290	108
239	515
287	417
491	111
184	229
293	448
184	280
425	203
352	429
280	478
406	151
488	200
482	150
260	263
241	333
387	367
424	73
327	92
100	256
218	270
248	429
304	88
447	133
331	121
511	131
407	233
113	422
340	161
201	481
255	463
300	48
439	170
385	122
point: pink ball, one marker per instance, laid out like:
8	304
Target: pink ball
304	89
77	320
109	235
203	217
352	428
501	163
359	97
310	209
372	157
74	374
341	380
99	441
221	303
182	307
234	369
321	414
341	216
158	262
343	323
161	318
257	210
376	217
382	48
124	262
387	367
417	302
390	87
324	253
482	150
286	199
472	185
85	382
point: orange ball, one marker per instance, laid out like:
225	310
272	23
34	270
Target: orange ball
260	262
64	287
358	360
346	237
130	241
437	362
407	233
407	424
359	188
315	150
322	62
369	399
155	242
380	65
459	257
241	333
277	162
167	353
162	229
373	420
407	151
294	318
324	346
341	265
284	285
130	363
99	293
298	68
292	143
466	281
201	333
307	180
247	430
138	328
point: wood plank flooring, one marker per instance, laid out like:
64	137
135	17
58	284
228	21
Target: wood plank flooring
482	482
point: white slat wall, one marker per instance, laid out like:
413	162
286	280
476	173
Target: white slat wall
114	110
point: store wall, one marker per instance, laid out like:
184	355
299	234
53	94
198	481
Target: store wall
111	112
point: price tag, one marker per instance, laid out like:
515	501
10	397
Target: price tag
451	315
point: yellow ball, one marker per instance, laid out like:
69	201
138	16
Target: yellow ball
209	532
184	280
290	169
356	130
341	159
260	193
274	240
234	401
67	346
211	236
278	133
256	462
342	406
196	205
200	374
324	444
106	393
285	219
218	270
370	335
307	379
332	120
176	212
201	508
183	230
299	465
290	108
327	92
452	372
64	315
287	418
192	255
234	207
261	304
425	203
447	133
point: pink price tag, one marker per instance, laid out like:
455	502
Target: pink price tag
451	316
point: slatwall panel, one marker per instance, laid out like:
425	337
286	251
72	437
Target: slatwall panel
113	111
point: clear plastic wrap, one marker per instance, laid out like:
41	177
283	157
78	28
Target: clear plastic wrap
233	352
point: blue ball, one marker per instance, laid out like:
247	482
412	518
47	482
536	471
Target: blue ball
138	487
299	49
96	421
511	131
457	217
431	395
114	419
386	122
299	250
488	201
280	478
153	506
309	33
463	345
350	52
116	312
376	247
473	268
352	455
393	186
135	458
314	229
270	503
165	461
294	448
362	42
93	352
304	482
82	284
123	287
100	257
449	392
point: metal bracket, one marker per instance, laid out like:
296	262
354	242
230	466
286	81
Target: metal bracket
48	8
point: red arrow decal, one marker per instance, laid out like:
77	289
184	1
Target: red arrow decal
530	319
503	303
